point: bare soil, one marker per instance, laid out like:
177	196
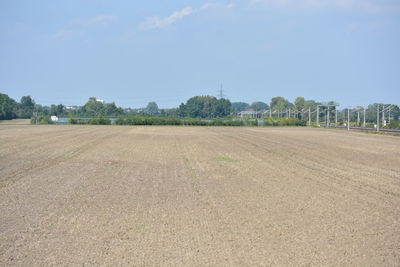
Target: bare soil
16	122
198	196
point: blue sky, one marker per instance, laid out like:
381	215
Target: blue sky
133	52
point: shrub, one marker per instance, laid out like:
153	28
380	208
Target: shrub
120	121
234	123
100	121
41	120
195	122
72	121
393	125
284	122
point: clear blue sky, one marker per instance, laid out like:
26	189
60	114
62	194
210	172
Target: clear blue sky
133	52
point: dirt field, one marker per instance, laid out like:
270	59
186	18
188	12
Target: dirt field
16	122
114	195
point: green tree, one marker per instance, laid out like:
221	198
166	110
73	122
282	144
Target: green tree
8	107
60	109
280	103
395	113
171	112
94	107
112	109
371	112
26	107
299	103
57	110
221	108
310	104
41	109
239	106
53	110
257	106
205	107
152	109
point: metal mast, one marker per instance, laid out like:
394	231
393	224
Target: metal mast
221	92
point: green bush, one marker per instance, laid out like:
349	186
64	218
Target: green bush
284	122
393	125
140	120
100	121
172	121
195	122
41	120
216	122
72	121
234	123
220	122
120	121
148	120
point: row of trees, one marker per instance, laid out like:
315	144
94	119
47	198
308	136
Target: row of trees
371	113
150	120
205	107
195	107
277	103
242	106
10	109
200	107
93	107
300	108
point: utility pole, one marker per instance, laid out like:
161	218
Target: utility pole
327	116
309	116
383	116
270	112
35	114
344	116
358	118
348	119
377	118
364	117
318	115
335	117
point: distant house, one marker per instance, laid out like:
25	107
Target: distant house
54	118
99	100
71	108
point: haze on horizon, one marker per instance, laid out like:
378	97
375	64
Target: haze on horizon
136	52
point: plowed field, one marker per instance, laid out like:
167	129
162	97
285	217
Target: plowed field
197	196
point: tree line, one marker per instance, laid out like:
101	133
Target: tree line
11	109
277	103
197	107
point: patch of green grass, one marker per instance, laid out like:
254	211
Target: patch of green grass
139	227
382	133
225	159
